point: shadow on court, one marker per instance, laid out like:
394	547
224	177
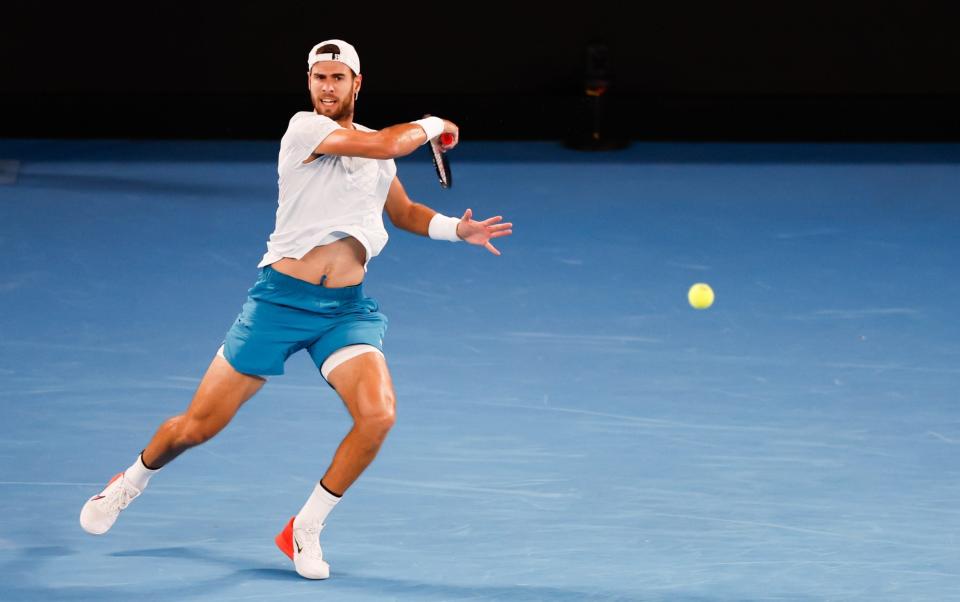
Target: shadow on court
341	582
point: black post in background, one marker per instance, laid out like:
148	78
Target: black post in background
594	130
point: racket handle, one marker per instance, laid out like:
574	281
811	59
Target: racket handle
446	138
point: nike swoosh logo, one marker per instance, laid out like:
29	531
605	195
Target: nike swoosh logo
299	549
99	497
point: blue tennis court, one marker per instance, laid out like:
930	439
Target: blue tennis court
569	428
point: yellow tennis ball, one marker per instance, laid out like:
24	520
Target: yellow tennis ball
700	295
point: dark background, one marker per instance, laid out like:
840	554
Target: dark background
679	70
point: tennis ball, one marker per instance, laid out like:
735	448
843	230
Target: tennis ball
700	295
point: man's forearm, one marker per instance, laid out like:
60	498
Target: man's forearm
406	137
417	219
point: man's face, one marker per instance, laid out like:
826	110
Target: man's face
332	89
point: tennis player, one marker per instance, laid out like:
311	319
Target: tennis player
336	177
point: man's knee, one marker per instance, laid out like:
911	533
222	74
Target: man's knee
379	418
191	432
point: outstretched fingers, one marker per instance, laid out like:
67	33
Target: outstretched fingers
481	232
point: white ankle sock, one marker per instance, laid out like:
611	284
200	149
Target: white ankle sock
318	505
138	474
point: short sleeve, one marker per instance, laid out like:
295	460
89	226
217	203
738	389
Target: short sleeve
307	130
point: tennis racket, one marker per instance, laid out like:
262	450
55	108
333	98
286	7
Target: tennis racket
440	160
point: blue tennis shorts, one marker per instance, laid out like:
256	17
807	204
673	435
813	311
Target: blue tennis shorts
283	315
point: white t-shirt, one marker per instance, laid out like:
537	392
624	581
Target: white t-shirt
331	197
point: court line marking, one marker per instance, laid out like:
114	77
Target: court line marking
943	437
467	488
795	529
652	422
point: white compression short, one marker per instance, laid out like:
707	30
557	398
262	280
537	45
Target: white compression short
343	354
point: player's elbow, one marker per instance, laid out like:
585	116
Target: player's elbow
393	148
403	217
395	218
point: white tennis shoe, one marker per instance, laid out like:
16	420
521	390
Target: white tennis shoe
102	510
301	543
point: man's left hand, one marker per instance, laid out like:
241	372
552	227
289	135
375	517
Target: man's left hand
480	233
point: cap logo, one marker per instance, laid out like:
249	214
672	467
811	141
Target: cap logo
332	51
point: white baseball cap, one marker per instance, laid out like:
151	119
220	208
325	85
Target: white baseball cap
347	55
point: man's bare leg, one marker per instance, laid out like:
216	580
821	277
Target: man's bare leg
366	388
221	393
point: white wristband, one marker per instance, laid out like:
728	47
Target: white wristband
443	227
433	126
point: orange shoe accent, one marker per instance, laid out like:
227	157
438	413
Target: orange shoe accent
284	540
115	477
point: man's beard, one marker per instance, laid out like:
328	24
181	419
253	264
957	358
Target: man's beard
346	109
